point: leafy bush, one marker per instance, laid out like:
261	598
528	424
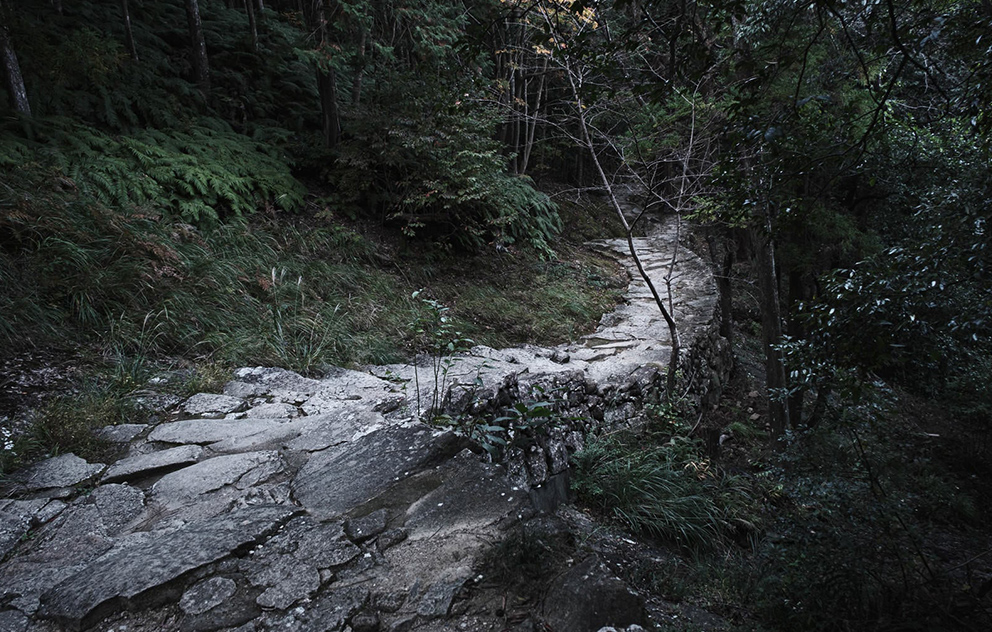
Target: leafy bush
433	170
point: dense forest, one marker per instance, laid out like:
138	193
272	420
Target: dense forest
197	181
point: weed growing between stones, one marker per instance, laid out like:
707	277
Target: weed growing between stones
516	426
437	339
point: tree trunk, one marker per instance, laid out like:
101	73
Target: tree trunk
326	84
796	331
201	65
723	283
529	142
330	118
252	26
128	33
356	81
771	326
16	92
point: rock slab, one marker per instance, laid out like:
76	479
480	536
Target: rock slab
126	574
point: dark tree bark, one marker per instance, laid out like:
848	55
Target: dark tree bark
326	84
128	33
252	26
201	65
16	91
356	81
771	325
725	256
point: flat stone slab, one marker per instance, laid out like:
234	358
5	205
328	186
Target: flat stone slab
211	404
273	411
62	471
240	470
155	462
121	433
128	576
343	423
207	431
341	478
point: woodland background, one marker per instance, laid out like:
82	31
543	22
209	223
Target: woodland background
203	184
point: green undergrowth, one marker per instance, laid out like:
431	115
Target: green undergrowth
870	521
140	290
662	486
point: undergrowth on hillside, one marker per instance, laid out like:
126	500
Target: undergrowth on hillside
862	523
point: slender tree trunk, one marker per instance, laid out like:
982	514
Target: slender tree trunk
201	65
356	82
326	84
128	33
252	26
529	144
771	326
16	91
331	122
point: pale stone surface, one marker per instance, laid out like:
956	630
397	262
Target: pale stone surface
146	464
274	411
239	470
207	594
121	433
211	404
207	431
62	471
126	573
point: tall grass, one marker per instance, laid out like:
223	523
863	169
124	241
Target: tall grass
663	490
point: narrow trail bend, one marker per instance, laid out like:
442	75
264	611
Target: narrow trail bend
293	503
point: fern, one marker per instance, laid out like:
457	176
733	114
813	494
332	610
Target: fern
203	175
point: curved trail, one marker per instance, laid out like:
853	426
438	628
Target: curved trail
298	504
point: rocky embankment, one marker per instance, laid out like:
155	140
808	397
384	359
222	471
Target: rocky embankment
289	503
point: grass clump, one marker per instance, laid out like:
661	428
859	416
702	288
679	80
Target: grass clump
663	490
67	423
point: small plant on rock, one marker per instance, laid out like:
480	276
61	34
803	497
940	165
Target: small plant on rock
439	341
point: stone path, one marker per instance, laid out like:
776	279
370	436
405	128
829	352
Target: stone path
289	503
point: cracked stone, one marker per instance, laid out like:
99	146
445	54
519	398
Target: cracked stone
207	594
